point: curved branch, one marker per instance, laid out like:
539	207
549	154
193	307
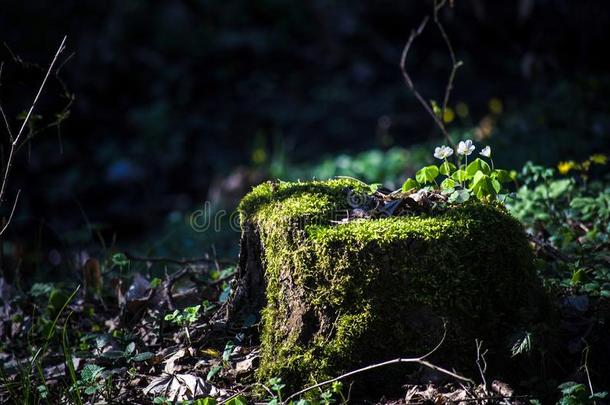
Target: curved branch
419	360
455	64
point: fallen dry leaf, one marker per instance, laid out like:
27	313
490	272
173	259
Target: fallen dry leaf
180	387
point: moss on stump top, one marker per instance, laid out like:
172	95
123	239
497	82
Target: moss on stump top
340	295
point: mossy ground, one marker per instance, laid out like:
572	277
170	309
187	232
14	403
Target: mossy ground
343	295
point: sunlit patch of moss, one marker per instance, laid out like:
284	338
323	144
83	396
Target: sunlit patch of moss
341	295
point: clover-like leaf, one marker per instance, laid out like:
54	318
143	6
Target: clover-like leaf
448	183
503	176
460	176
483	185
478	165
427	174
409	185
459	196
446	168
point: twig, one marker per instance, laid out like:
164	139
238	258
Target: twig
419	360
10	217
455	64
482	363
585	367
181	262
15	141
6	123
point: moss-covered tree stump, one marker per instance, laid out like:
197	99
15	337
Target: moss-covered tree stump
336	296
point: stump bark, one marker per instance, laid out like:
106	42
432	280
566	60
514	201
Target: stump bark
337	296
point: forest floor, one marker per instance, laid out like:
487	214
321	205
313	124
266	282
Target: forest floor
126	336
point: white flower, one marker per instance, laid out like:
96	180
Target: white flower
465	147
486	152
442	152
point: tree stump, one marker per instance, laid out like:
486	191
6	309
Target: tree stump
337	295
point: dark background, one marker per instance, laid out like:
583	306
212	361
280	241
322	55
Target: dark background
172	97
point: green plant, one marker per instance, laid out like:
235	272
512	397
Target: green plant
91	379
226	355
184	318
569	218
573	393
462	180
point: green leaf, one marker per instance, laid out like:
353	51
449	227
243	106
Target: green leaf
205	401
409	185
226	354
113	354
459	196
427	174
448	184
571	388
578	276
436	109
503	176
238	400
120	259
478	165
130	348
460	175
446	168
143	356
559	187
213	371
90	372
483	186
496	185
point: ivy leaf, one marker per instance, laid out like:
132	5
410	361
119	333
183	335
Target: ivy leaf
446	168
478	165
427	174
409	185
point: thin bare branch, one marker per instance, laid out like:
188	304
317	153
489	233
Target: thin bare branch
15	141
482	363
411	86
418	360
181	262
455	64
6	123
44	81
5	227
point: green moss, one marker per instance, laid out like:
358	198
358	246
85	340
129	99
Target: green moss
343	295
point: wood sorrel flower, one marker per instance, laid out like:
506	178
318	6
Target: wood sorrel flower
465	147
442	152
486	152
